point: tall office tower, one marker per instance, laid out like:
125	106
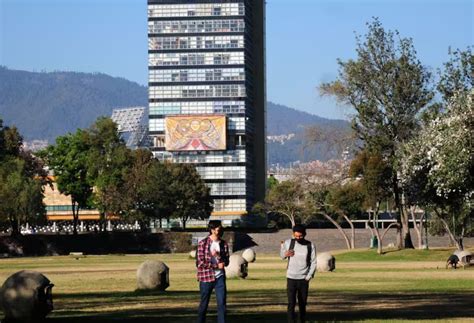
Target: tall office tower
207	95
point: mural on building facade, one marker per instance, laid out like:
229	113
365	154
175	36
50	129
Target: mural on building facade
194	133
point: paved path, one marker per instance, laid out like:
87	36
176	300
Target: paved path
331	239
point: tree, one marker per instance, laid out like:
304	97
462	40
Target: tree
108	161
136	178
287	199
22	178
347	201
191	195
148	185
438	166
388	87
68	159
271	182
374	175
457	75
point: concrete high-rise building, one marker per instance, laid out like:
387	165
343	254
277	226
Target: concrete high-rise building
207	96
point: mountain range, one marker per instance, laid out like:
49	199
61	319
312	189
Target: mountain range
44	105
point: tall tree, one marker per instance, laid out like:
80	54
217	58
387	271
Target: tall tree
108	161
388	87
288	199
457	74
191	195
68	159
347	201
438	166
22	179
374	175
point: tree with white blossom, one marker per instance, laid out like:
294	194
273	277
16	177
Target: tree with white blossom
438	167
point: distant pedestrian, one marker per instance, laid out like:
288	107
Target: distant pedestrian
301	255
211	258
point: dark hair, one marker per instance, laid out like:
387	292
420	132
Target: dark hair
214	224
299	228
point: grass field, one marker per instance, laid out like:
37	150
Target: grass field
399	285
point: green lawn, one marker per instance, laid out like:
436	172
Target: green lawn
401	285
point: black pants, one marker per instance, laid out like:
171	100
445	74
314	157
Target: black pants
297	287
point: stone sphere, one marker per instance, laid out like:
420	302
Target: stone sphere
464	256
192	254
153	274
249	255
26	296
237	267
325	262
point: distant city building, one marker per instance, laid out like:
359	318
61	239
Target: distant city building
35	145
59	206
207	96
132	126
281	138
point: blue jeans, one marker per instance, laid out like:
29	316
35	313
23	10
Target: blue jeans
221	292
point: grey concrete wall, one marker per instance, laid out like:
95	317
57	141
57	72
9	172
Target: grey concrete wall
331	239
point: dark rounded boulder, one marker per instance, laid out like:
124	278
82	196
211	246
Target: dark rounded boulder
26	296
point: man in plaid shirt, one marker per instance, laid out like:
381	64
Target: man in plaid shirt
211	258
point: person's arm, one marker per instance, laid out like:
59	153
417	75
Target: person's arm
312	267
227	255
283	249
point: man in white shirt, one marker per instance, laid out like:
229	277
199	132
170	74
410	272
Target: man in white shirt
301	255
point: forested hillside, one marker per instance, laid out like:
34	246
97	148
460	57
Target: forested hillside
45	105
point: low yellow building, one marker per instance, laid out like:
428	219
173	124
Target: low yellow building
59	208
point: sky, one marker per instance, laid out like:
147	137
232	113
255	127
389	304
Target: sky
304	39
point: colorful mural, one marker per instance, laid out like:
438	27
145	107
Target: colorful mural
197	132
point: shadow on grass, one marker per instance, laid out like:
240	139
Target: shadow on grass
253	306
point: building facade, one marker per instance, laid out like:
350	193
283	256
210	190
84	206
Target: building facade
207	96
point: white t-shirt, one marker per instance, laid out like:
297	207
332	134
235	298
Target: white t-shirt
215	247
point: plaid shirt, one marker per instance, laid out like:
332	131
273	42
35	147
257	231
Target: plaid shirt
205	269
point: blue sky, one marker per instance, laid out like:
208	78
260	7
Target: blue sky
304	39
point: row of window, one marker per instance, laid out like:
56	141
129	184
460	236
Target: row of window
203	107
233	123
229	205
183	59
52	208
195	157
196	42
227	188
221	172
191	10
197	75
196	26
197	91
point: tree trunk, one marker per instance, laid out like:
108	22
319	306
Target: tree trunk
382	236
340	230
375	230
352	230
102	222
450	234
418	227
183	220
379	241
14	223
405	237
407	242
460	242
75	217
292	220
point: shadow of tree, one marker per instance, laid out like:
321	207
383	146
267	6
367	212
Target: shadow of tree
262	306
